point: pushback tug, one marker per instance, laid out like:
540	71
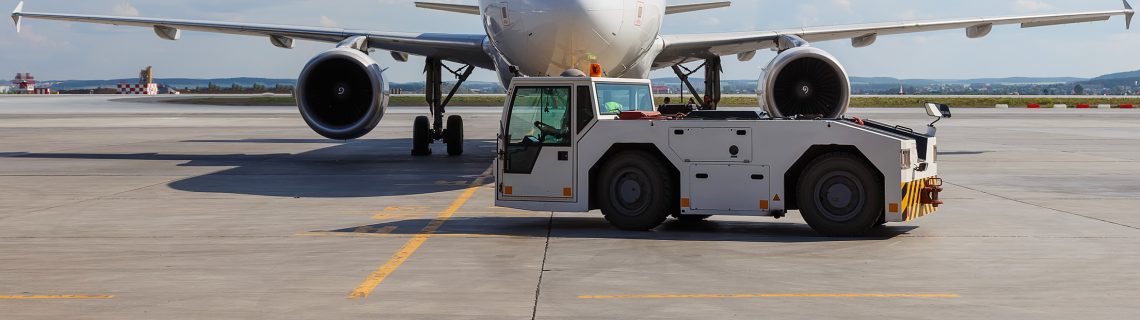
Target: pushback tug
578	143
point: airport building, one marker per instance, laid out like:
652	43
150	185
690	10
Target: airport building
25	83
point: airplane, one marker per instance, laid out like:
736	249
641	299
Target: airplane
342	93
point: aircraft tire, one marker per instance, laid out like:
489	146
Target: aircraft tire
453	135
421	136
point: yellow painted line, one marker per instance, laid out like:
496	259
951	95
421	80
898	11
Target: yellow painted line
776	295
369	284
405	235
407	208
408	215
56	297
394	216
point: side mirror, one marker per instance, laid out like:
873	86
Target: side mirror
938	110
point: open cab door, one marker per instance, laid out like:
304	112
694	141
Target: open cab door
536	161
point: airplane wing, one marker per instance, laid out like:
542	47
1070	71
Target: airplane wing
459	8
461	48
684	48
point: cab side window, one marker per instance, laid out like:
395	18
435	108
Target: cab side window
585	107
540	116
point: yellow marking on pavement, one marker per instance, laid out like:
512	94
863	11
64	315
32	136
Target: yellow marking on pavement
407	208
394	216
56	297
404	216
369	284
776	295
404	235
503	212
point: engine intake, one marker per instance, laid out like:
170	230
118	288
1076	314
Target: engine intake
804	81
341	94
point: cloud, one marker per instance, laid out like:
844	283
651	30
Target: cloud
125	9
809	14
1032	5
328	22
29	38
843	4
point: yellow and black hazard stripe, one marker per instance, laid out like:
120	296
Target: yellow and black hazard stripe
912	207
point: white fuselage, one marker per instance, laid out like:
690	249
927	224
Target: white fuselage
547	37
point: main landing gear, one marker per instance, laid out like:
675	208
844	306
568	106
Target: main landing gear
713	70
425	130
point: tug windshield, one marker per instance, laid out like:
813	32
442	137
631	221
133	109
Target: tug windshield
615	98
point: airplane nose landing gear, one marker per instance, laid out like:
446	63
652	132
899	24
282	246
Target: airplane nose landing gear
425	131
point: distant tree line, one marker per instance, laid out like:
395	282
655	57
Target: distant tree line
213	88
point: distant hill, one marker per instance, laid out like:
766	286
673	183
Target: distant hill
1122	79
909	82
179	83
1120	75
924	82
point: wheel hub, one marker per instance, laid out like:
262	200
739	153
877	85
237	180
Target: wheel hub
629	191
840	196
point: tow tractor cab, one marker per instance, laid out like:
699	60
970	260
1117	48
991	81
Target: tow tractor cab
575	144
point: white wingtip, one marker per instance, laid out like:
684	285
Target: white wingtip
1128	15
16	15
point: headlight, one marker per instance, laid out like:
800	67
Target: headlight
904	162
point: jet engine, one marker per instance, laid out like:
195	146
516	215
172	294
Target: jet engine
804	81
342	94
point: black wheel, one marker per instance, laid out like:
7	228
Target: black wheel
840	195
692	217
635	191
421	136
453	135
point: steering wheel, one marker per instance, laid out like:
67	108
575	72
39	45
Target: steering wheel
548	130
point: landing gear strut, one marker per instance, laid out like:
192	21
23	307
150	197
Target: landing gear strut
713	70
426	131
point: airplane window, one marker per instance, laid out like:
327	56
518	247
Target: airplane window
615	98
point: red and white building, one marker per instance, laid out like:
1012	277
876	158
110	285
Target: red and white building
149	89
25	83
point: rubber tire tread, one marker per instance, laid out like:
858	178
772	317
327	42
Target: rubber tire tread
660	179
421	136
454	135
865	220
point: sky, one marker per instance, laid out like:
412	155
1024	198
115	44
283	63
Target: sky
54	50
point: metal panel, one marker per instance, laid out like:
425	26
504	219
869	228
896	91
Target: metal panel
712	144
728	187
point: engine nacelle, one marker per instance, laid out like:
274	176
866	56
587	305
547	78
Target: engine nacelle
804	81
342	94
